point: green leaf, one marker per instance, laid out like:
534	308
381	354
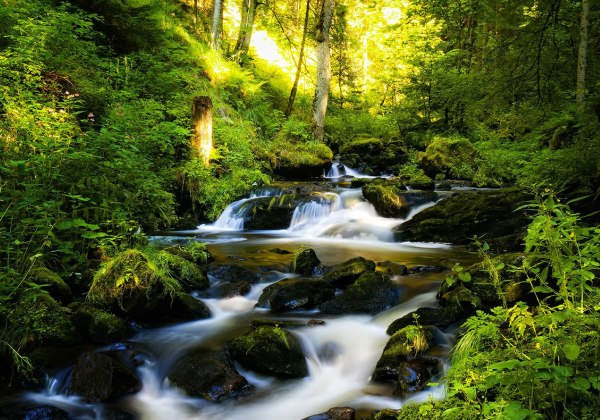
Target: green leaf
571	351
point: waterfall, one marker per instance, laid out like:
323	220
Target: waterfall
314	211
235	214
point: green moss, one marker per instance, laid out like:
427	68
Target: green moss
385	199
362	145
51	282
194	252
346	273
301	160
97	325
304	261
187	273
455	157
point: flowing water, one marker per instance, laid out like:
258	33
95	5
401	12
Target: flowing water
341	354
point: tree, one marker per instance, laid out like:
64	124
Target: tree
319	108
217	21
290	106
246	26
582	54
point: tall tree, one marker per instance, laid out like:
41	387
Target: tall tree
246	26
290	106
319	108
217	21
582	54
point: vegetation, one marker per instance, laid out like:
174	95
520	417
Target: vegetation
97	153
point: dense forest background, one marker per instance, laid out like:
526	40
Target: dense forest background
96	96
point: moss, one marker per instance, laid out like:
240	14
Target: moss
362	145
131	282
187	273
346	273
99	326
455	157
194	252
302	160
52	283
385	199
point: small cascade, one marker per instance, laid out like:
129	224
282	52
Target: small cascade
314	211
235	214
339	170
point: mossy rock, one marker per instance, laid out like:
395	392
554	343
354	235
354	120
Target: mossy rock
270	213
293	294
133	285
238	288
52	283
414	375
441	317
371	293
343	275
457	219
406	344
38	320
336	413
207	374
421	182
98	326
187	273
232	273
302	160
195	252
271	351
392	268
187	307
372	155
454	157
304	261
102	377
390	201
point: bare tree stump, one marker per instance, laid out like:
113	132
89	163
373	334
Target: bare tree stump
202	140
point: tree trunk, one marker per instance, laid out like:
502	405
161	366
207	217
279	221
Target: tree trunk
195	15
216	23
249	27
290	106
202	139
243	26
319	109
582	55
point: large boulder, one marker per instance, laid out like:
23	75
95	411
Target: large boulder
207	374
52	283
232	273
336	413
304	261
98	326
132	284
189	275
454	157
371	293
302	160
391	200
270	213
440	316
101	377
291	294
343	275
489	215
372	155
271	351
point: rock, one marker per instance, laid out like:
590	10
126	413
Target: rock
98	326
420	182
391	201
305	261
404	345
337	413
392	268
100	377
26	412
187	273
270	213
372	155
299	160
371	293
454	157
233	273
343	275
187	307
388	414
194	252
291	294
427	269
277	323
271	351
238	288
52	283
315	322
441	317
413	376
457	219
280	251
207	374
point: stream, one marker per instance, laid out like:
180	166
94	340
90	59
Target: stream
341	354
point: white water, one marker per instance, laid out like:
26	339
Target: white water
234	214
339	170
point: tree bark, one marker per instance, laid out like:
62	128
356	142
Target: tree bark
319	108
582	54
195	15
216	23
202	129
290	106
243	26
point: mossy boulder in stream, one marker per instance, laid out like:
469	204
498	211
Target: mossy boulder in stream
371	293
194	252
406	344
372	155
98	326
440	316
187	273
391	200
231	273
52	283
490	215
454	157
271	351
346	273
299	160
135	285
207	374
304	261
292	294
101	377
